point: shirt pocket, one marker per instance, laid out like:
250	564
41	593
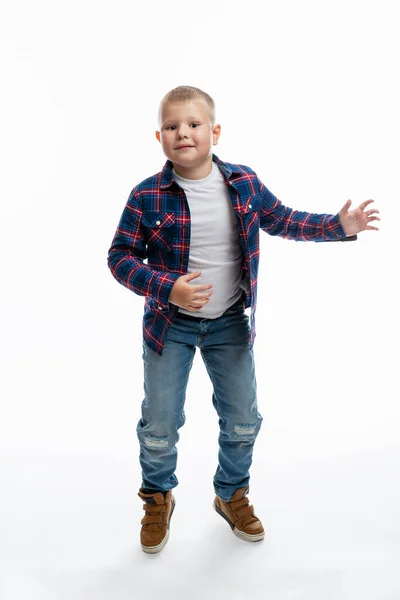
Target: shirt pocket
158	229
250	214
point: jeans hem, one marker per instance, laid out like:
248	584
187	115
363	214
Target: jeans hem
223	497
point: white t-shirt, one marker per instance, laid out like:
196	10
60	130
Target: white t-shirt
214	242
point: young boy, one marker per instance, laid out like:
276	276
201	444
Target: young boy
197	223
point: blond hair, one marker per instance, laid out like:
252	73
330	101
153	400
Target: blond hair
184	93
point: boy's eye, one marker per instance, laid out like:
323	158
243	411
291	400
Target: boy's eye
171	126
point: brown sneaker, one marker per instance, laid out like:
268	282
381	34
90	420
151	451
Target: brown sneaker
155	524
240	516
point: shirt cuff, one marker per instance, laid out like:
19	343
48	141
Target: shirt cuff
161	287
333	228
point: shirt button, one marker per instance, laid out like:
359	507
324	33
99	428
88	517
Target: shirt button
158	222
160	308
250	206
184	261
185	226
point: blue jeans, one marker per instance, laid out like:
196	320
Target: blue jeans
225	349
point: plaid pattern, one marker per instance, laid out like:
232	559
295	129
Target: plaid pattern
155	225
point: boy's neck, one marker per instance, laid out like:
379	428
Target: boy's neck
197	172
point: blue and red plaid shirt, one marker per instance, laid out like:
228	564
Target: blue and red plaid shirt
155	225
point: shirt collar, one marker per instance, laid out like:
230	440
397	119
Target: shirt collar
167	177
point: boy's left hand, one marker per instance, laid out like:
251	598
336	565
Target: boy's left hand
357	220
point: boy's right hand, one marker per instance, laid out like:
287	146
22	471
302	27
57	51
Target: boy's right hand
189	297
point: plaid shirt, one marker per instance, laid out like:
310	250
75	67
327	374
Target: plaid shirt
155	225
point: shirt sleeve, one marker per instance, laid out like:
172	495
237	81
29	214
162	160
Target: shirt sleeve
127	253
277	219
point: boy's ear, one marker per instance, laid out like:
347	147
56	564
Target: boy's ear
158	136
216	134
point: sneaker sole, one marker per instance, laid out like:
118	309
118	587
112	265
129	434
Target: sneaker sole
247	537
155	549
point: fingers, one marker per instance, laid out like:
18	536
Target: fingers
365	204
201	296
196	305
362	206
346	206
371	216
199	301
201	288
190	276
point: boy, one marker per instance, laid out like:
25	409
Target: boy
197	223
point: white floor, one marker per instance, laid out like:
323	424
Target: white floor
70	528
70	517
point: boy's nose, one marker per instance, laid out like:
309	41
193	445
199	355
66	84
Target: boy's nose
181	133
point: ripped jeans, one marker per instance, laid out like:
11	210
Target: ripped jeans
226	352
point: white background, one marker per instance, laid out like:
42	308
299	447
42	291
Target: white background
307	94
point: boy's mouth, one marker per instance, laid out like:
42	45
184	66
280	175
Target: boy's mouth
183	147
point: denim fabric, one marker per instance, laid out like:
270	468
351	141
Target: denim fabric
228	356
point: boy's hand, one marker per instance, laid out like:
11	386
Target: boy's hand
189	297
357	220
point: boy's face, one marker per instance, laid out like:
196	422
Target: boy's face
187	124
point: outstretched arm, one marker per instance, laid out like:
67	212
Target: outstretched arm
277	219
280	220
